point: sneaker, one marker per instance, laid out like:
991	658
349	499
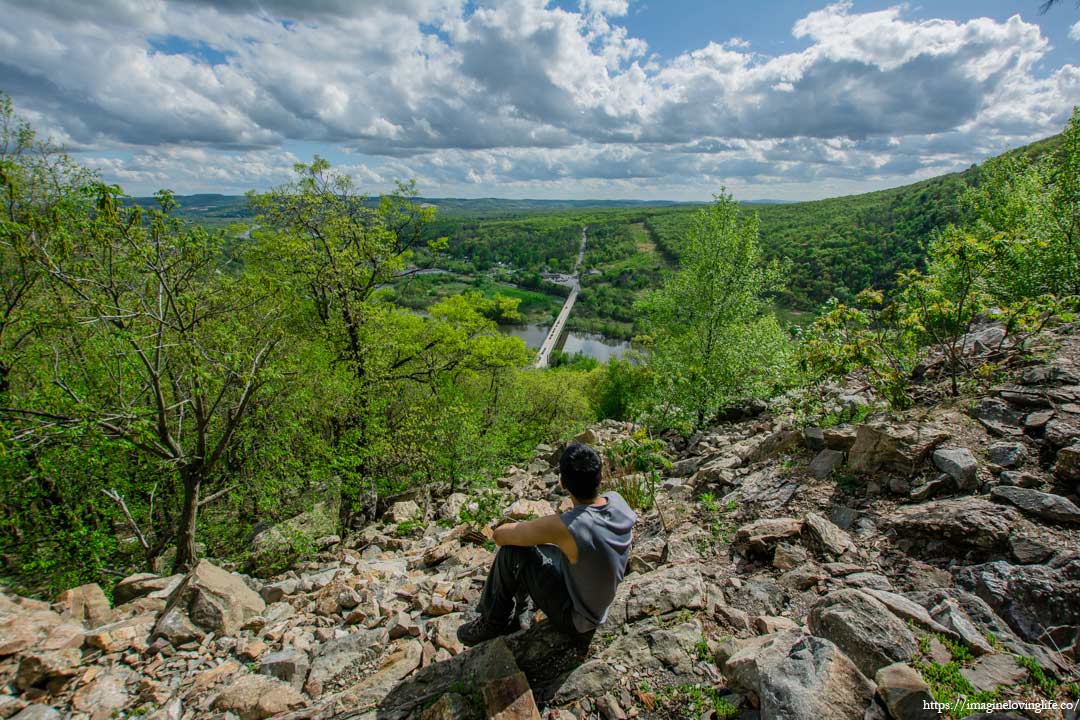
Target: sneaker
479	630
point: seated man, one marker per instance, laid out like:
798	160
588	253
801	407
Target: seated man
569	564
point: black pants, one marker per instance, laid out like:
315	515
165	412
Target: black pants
527	571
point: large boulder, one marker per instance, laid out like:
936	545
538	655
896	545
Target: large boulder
965	523
254	697
899	448
332	668
403	511
402	658
1035	600
275	548
676	587
800	677
210	600
1040	504
864	628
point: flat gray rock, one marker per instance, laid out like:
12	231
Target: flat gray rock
991	671
1034	502
959	464
863	628
825	462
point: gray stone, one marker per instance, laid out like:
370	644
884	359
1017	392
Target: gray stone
671	588
685	467
998	417
213	600
1047	375
761	536
1067	467
1036	421
1019	479
1040	504
901	448
403	657
813	438
591	679
1007	454
768	624
841	437
37	711
991	671
1061	433
758	595
940	485
655	648
143	585
803	577
332	667
909	611
904	692
955	524
450	706
949	613
276	592
959	464
789	556
898	485
1032	599
289	665
864	628
175	626
867	580
823	537
402	511
1028	551
825	462
451	507
843	517
105	696
254	697
800	677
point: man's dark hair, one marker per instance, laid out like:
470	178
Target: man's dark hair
581	468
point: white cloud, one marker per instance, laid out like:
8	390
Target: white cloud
517	91
1074	31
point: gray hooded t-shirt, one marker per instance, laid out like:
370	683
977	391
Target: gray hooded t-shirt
603	536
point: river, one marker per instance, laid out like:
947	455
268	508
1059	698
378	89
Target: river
592	344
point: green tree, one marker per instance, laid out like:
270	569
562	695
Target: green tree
715	339
158	348
44	198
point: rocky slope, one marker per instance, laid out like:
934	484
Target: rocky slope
855	571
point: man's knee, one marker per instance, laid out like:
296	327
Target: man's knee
512	554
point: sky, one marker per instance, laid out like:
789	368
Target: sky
634	99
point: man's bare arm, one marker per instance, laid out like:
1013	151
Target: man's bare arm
548	530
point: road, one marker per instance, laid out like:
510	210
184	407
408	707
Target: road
556	330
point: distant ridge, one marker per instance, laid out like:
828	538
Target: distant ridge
208	206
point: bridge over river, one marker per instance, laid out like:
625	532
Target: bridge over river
552	338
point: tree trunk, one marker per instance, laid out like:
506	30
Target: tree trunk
185	536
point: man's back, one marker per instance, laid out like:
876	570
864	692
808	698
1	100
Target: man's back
603	534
